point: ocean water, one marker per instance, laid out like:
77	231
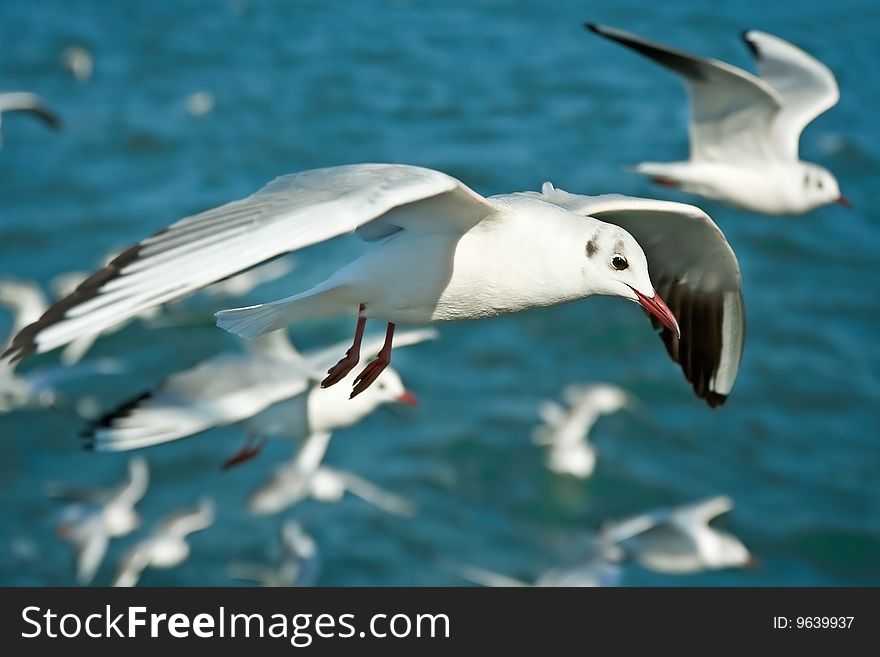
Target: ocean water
503	95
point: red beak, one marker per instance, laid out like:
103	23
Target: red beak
408	398
844	201
658	308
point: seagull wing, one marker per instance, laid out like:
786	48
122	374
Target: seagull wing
700	513
135	488
732	111
290	213
369	492
694	270
806	85
220	391
132	564
29	103
189	520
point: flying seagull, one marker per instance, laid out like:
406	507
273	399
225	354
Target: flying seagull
271	391
440	252
166	546
565	430
99	515
745	129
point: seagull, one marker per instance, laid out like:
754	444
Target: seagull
27	103
304	476
599	565
439	252
680	540
565	431
745	129
199	103
299	565
166	546
99	515
270	391
78	61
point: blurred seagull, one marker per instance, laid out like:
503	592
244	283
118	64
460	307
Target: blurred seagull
99	515
78	61
27	103
271	391
565	431
745	129
299	565
599	565
681	541
439	252
304	477
199	103
166	546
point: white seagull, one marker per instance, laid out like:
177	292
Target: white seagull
78	60
299	564
24	299
166	546
680	540
270	392
304	476
745	129
26	103
439	251
100	515
565	431
599	565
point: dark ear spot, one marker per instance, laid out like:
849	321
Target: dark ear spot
591	248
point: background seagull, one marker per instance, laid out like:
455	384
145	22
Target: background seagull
270	392
299	564
78	61
599	565
565	431
166	546
745	129
27	103
99	515
681	541
439	252
304	476
25	301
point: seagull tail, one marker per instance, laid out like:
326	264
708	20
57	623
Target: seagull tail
253	322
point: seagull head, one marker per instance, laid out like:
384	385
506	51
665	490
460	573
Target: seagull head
617	266
821	187
388	389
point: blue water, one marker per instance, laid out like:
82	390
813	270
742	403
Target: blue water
503	95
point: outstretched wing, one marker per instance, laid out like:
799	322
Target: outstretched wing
219	391
29	103
732	111
290	213
694	270
189	520
806	85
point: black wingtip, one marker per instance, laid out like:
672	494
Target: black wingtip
750	44
593	27
714	399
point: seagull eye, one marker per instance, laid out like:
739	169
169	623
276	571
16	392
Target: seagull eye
619	262
819	183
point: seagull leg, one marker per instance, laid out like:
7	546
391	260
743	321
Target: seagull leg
374	369
352	357
249	450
